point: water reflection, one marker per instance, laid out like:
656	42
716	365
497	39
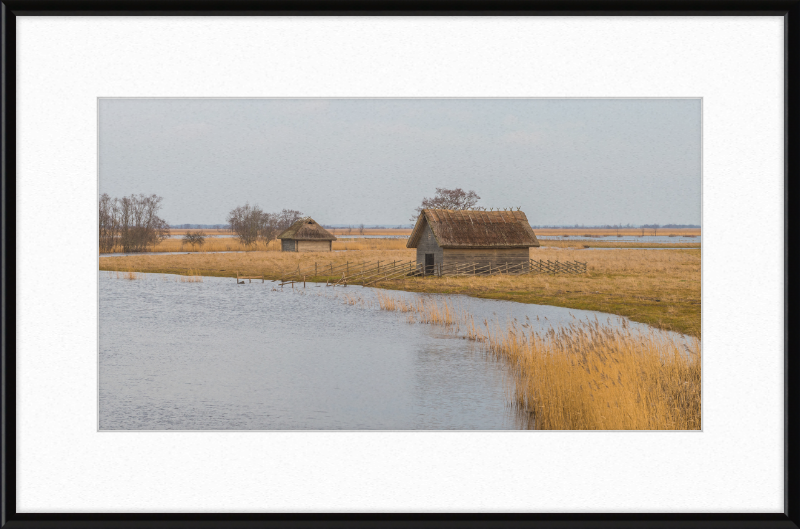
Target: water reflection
220	356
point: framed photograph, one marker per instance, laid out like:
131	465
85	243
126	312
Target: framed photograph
343	267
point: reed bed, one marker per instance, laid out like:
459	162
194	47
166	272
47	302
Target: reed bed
192	276
370	244
354	300
232	244
339	232
427	310
128	274
184	231
213	244
583	244
585	376
589	376
609	232
394	232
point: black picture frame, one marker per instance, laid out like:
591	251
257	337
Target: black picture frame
9	518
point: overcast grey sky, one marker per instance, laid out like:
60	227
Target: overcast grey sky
371	161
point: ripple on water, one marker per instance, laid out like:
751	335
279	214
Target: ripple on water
217	356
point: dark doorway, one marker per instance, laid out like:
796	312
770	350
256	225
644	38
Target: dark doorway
428	263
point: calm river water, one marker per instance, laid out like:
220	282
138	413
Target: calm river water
220	356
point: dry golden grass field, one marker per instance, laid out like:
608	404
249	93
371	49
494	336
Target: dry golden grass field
394	232
181	231
583	244
561	232
232	244
657	287
595	232
339	232
610	232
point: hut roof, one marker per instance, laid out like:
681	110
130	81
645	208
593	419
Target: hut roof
475	229
306	229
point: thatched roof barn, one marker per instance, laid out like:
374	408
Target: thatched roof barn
306	235
497	238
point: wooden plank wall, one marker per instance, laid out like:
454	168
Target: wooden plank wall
288	245
313	246
427	244
482	257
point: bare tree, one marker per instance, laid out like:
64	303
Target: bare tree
253	225
448	199
275	223
287	217
245	222
109	223
195	238
131	223
361	229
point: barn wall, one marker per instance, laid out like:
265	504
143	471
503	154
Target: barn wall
427	244
288	245
483	257
313	246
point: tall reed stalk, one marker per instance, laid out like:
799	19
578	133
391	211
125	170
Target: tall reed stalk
587	375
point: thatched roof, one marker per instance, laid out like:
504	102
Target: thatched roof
306	229
475	229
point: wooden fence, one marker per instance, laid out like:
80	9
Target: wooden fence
557	267
530	267
371	272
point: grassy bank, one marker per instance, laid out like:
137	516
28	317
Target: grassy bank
658	288
586	376
661	288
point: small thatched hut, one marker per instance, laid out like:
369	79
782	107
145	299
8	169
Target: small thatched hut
445	236
305	235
